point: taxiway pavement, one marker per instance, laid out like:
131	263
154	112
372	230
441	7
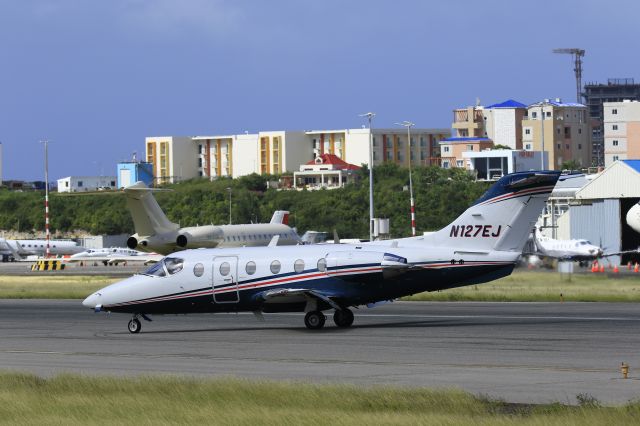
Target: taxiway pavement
519	352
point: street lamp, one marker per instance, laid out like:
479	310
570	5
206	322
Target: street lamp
370	116
542	104
229	189
408	125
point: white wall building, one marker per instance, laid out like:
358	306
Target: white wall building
621	131
277	152
492	164
86	183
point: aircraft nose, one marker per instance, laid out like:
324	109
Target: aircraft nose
92	301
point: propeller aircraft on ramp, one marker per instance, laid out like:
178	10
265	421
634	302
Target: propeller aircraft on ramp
481	245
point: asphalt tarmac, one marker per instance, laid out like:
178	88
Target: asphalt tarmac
518	352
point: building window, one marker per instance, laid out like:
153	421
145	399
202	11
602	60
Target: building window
199	148
459	163
527	147
614	127
615	143
614	112
375	142
445	149
469	147
567	132
534	114
615	158
445	164
559	146
579	131
579	146
548	113
566	146
80	182
527	131
199	161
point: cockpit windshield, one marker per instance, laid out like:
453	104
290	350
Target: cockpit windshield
167	266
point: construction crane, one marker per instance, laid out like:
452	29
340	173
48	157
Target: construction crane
577	58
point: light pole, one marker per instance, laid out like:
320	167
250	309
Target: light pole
229	189
408	125
46	196
370	116
542	132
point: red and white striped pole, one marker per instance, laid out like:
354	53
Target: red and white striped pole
46	196
413	214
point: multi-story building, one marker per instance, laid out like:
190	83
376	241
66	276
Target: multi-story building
621	131
174	158
389	145
595	95
452	149
502	123
277	152
566	132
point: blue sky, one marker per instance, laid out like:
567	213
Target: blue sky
96	77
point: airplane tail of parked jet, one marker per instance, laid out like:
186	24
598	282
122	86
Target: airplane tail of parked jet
148	217
280	217
502	218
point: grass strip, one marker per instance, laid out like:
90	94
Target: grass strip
51	287
70	399
532	286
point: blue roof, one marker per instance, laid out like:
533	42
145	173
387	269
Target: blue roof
634	164
510	103
466	139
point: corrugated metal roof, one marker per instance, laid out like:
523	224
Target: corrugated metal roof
619	180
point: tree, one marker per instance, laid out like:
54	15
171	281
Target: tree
571	165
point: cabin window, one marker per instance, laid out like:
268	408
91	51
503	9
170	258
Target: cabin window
298	265
322	264
275	267
198	269
251	268
173	264
225	268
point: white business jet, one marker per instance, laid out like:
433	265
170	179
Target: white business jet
481	245
114	256
156	233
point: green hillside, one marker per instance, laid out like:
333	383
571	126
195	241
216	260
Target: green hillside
440	196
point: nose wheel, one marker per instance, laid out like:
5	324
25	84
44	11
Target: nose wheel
134	326
314	320
343	317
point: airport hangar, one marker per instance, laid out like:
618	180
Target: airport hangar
598	211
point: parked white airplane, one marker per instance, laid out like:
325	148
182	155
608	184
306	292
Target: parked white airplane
115	255
575	250
22	248
633	217
155	232
481	245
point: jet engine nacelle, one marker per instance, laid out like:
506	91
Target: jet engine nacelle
633	217
199	236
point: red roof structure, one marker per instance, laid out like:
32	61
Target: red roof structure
334	160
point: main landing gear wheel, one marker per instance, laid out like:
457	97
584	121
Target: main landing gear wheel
134	326
314	320
343	317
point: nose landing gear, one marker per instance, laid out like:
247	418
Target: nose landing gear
134	325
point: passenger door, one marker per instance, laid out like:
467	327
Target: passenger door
225	279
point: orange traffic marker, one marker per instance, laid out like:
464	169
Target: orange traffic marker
601	268
636	268
615	269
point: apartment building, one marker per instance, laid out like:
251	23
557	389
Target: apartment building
501	122
277	152
621	131
174	158
566	132
452	149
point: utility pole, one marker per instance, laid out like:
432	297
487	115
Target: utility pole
408	125
370	116
577	67
46	196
